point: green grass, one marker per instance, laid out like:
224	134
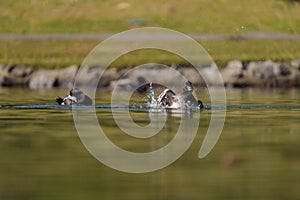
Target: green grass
224	51
56	54
48	54
189	16
230	17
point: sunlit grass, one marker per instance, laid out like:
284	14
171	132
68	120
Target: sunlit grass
231	17
189	16
56	54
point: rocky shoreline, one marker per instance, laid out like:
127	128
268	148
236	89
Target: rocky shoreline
266	74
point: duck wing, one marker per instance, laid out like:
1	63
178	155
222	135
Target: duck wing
86	101
59	100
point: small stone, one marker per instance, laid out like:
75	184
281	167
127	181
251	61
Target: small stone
87	76
44	79
109	75
66	76
233	71
211	75
13	75
296	64
261	70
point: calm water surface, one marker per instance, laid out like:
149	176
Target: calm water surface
256	157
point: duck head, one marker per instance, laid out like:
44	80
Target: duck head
168	99
188	87
75	97
80	97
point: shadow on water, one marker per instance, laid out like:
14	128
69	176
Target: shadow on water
256	157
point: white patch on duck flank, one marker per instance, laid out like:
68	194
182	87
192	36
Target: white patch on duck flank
71	98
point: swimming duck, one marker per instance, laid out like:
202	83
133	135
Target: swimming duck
76	97
168	98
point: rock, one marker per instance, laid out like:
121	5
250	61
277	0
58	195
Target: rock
66	76
235	74
233	71
297	79
44	79
261	70
282	69
13	75
210	73
271	74
87	76
157	74
263	74
109	75
191	74
296	64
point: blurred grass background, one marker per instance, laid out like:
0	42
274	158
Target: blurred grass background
227	17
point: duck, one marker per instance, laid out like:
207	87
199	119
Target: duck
75	97
186	99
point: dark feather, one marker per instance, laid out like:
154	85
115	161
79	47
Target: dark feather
59	100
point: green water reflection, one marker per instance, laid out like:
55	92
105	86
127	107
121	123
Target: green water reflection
256	157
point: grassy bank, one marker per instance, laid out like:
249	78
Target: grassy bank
58	54
231	17
188	16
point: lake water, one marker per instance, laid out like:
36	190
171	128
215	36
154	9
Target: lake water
256	156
